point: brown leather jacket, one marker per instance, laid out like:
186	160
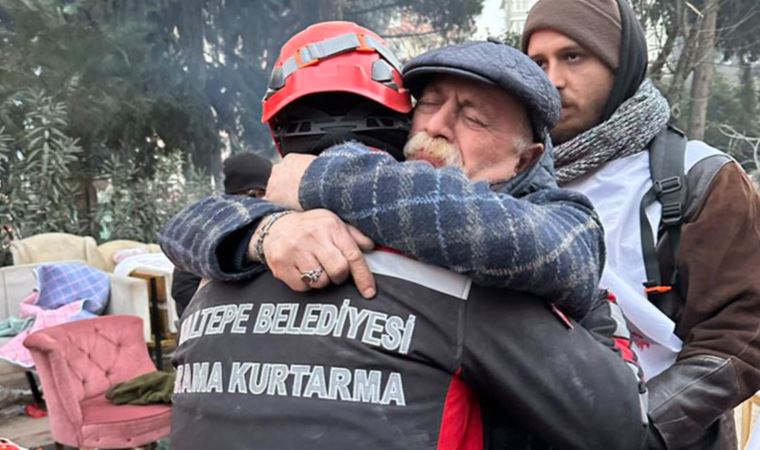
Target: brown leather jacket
691	403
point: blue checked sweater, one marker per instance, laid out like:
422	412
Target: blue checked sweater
548	242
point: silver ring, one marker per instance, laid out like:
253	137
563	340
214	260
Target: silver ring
312	276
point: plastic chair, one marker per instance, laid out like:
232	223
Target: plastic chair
77	362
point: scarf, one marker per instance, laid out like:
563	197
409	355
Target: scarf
629	130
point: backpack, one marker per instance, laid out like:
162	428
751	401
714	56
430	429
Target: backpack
664	287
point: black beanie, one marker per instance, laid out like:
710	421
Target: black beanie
245	171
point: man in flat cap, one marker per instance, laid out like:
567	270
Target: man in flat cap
260	364
531	209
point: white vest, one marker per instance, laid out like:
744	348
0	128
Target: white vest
616	190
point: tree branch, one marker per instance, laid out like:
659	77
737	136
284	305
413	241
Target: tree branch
655	69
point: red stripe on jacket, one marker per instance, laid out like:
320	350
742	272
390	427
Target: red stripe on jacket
461	423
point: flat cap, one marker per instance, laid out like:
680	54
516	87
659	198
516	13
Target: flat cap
495	63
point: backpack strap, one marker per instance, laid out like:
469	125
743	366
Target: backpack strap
666	164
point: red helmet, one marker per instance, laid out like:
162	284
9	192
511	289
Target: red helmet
335	57
334	82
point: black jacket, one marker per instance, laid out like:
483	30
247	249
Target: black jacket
261	366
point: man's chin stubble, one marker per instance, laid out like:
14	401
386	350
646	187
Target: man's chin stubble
563	133
558	138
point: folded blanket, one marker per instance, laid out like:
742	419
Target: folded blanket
152	387
156	261
14	351
13	325
61	284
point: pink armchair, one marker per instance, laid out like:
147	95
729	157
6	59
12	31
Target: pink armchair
77	362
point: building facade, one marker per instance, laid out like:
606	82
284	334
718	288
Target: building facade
516	12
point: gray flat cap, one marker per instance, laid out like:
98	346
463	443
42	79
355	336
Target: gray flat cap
494	63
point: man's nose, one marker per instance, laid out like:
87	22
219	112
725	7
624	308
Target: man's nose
439	124
556	75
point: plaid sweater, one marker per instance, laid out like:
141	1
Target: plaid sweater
548	242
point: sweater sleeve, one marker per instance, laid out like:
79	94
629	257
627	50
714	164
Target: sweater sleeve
548	243
209	238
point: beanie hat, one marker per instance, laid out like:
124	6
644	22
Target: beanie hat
245	171
594	24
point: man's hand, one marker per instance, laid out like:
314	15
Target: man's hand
286	179
315	239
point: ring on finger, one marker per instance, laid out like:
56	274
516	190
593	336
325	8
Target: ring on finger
312	276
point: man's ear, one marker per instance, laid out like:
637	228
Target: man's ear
530	154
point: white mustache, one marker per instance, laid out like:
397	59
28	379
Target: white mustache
437	151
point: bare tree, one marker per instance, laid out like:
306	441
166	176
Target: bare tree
691	35
737	138
704	70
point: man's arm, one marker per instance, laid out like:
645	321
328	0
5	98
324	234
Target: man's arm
558	383
719	366
209	238
214	239
549	243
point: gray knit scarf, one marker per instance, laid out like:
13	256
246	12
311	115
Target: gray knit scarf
633	125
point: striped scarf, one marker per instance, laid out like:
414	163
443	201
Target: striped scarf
630	129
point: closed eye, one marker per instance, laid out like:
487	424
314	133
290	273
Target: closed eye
474	120
427	102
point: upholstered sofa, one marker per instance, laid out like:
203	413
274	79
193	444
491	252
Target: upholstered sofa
18	280
54	247
128	296
50	247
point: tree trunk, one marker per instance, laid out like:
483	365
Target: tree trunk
683	67
748	96
703	73
190	27
657	66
